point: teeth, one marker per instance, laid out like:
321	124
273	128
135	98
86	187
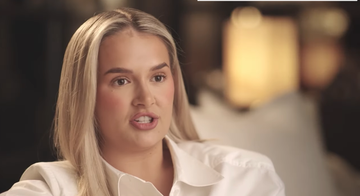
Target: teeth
144	119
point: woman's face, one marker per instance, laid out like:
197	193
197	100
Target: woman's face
135	91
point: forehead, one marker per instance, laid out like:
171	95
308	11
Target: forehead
130	48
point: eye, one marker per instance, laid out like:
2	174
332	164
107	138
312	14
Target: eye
159	78
121	81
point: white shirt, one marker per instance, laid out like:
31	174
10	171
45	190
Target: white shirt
200	169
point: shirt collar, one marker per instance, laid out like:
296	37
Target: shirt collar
113	177
190	170
187	169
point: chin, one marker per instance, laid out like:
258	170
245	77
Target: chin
150	139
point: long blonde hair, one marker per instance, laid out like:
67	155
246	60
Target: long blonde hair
75	134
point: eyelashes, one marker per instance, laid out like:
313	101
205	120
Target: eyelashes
159	78
121	81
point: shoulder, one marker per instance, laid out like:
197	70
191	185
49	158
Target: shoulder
47	178
44	169
244	172
213	155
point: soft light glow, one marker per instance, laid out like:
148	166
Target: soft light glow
321	63
247	17
324	21
322	54
260	63
335	22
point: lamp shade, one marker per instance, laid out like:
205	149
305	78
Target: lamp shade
260	61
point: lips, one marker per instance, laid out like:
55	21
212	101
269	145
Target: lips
138	121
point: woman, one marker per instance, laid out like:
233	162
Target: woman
123	127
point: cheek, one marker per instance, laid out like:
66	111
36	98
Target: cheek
108	102
168	93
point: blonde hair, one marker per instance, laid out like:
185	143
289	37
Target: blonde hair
75	134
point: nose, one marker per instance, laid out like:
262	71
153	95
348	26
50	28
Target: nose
143	96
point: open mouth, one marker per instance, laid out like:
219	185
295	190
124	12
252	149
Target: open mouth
144	119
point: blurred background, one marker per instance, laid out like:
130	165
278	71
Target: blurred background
279	78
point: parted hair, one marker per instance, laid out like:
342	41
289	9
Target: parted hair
76	136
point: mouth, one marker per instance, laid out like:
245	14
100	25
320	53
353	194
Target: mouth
144	121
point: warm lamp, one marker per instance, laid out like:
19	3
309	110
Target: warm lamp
260	57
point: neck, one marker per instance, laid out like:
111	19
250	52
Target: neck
153	165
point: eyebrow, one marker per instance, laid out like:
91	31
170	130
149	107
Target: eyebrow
160	66
123	70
